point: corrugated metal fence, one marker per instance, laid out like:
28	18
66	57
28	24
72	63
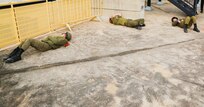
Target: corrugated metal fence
19	21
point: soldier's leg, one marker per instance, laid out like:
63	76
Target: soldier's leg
187	20
137	25
11	54
134	23
41	46
193	19
16	54
20	45
141	22
26	44
186	24
131	23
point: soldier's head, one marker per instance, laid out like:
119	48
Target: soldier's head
111	20
67	36
114	17
174	19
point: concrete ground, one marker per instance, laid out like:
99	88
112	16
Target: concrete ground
113	66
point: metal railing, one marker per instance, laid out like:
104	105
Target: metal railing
19	21
192	4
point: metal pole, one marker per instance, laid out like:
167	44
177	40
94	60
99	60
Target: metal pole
13	13
48	15
195	6
201	6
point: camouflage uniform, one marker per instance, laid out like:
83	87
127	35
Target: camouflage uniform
189	21
50	42
119	20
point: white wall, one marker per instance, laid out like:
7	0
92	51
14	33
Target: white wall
128	8
7	1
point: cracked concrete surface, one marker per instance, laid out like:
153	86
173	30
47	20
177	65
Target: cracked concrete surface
112	66
31	68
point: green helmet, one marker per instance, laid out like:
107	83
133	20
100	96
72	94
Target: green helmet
68	36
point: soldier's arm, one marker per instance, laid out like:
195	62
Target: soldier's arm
45	39
58	40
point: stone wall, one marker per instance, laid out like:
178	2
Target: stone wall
128	8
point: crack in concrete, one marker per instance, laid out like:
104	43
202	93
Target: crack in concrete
191	82
32	68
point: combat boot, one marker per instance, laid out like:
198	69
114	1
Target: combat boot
143	25
138	27
11	54
15	57
185	28
196	28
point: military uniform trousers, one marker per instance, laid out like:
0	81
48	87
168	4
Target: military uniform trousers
39	45
134	23
189	21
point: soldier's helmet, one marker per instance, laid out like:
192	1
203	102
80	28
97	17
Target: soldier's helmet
114	17
172	19
68	36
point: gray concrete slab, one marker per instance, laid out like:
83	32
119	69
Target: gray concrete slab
113	66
